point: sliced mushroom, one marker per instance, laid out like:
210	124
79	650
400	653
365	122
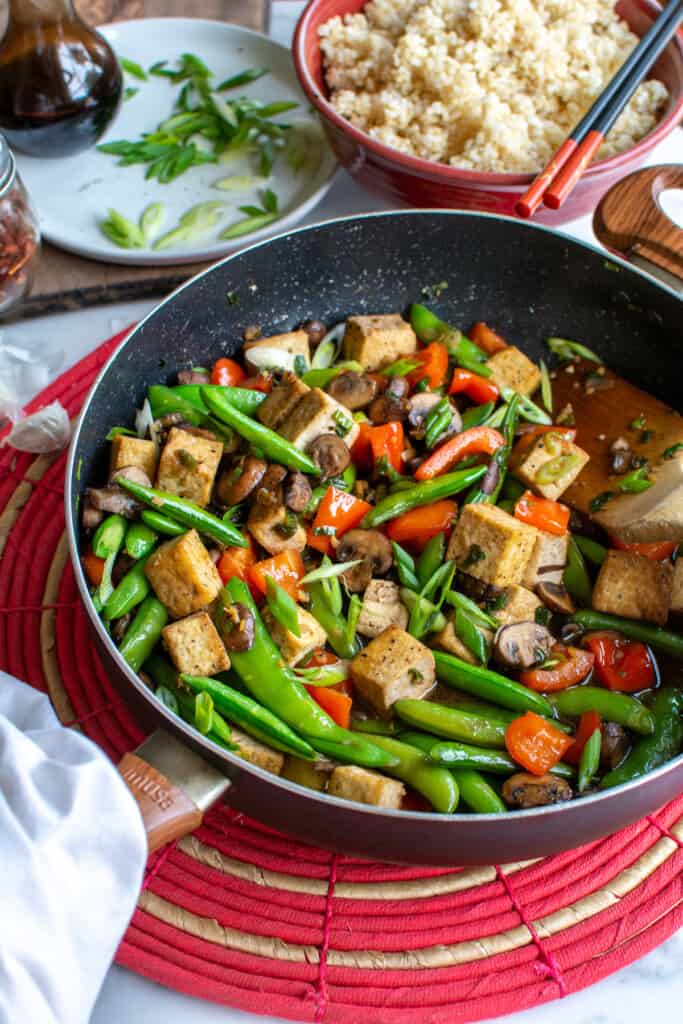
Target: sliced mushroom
114	500
393	404
522	644
190	428
91	517
269	494
133	473
614	747
330	454
354	390
297	492
374	551
524	790
315	329
236	484
556	597
252	332
420	405
118	630
236	627
121	566
571	633
194	377
621	455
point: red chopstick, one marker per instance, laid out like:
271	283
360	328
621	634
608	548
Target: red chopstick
558	178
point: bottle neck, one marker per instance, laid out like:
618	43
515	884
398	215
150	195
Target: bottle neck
39	12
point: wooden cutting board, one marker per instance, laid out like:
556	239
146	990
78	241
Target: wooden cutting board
67	282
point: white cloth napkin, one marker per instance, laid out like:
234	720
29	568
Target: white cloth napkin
72	852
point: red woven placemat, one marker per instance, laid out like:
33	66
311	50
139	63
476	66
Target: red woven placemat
245	916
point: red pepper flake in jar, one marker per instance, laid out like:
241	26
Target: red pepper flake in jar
19	235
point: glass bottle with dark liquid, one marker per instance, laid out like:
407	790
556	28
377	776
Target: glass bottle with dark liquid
60	83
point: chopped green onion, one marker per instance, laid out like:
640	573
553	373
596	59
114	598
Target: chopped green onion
400	368
239	182
405	567
328	349
243	78
203	712
282	607
546	387
326	572
567	350
151	219
355	608
473	610
635	482
670	453
323	675
472	636
168	698
133	68
528	410
120	431
557	468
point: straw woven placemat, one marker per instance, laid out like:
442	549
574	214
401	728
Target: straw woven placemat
245	916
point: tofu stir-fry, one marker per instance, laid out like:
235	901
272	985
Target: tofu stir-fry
394	563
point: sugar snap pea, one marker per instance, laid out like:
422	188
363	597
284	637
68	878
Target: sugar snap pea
144	632
131	591
161	523
273	446
140	540
334	625
662	639
475	791
432	557
482	682
465	755
244	399
590	549
428	328
665	742
575	576
590	760
611	706
107	542
422	494
414	767
452	723
186	512
166	677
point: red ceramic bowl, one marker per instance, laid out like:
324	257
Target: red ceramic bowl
412	181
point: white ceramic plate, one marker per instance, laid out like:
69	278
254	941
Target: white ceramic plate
73	194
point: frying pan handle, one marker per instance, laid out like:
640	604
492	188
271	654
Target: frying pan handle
630	221
172	786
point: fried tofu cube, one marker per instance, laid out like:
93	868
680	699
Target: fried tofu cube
133	451
512	369
183	576
281	401
270	526
375	341
532	463
295	648
195	646
297	343
394	665
188	465
677	587
257	753
315	414
382	607
492	545
517	604
634	586
305	773
366	787
548	559
448	640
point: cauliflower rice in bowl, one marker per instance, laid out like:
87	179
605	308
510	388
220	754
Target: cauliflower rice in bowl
485	85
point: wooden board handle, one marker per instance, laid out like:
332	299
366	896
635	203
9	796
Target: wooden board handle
630	221
172	787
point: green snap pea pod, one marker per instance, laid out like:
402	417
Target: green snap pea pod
414	767
244	399
264	674
590	760
271	444
161	523
475	791
144	632
575	576
662	639
379	726
501	457
131	591
465	755
431	559
164	675
482	682
334	625
428	327
107	542
611	706
164	400
422	494
251	716
590	549
452	723
476	415
186	512
140	540
651	751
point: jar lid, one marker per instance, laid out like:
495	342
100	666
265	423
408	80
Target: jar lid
6	165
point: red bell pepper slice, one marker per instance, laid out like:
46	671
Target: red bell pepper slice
479	389
287	568
621	664
93	567
337	513
337	704
421	524
434	365
237	562
387	442
572	669
487	340
543	513
656	551
261	382
535	743
588	723
228	373
475	441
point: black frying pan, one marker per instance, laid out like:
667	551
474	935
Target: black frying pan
529	283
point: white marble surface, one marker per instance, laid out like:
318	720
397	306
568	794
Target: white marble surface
652	987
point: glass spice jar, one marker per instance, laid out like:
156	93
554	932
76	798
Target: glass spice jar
19	234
